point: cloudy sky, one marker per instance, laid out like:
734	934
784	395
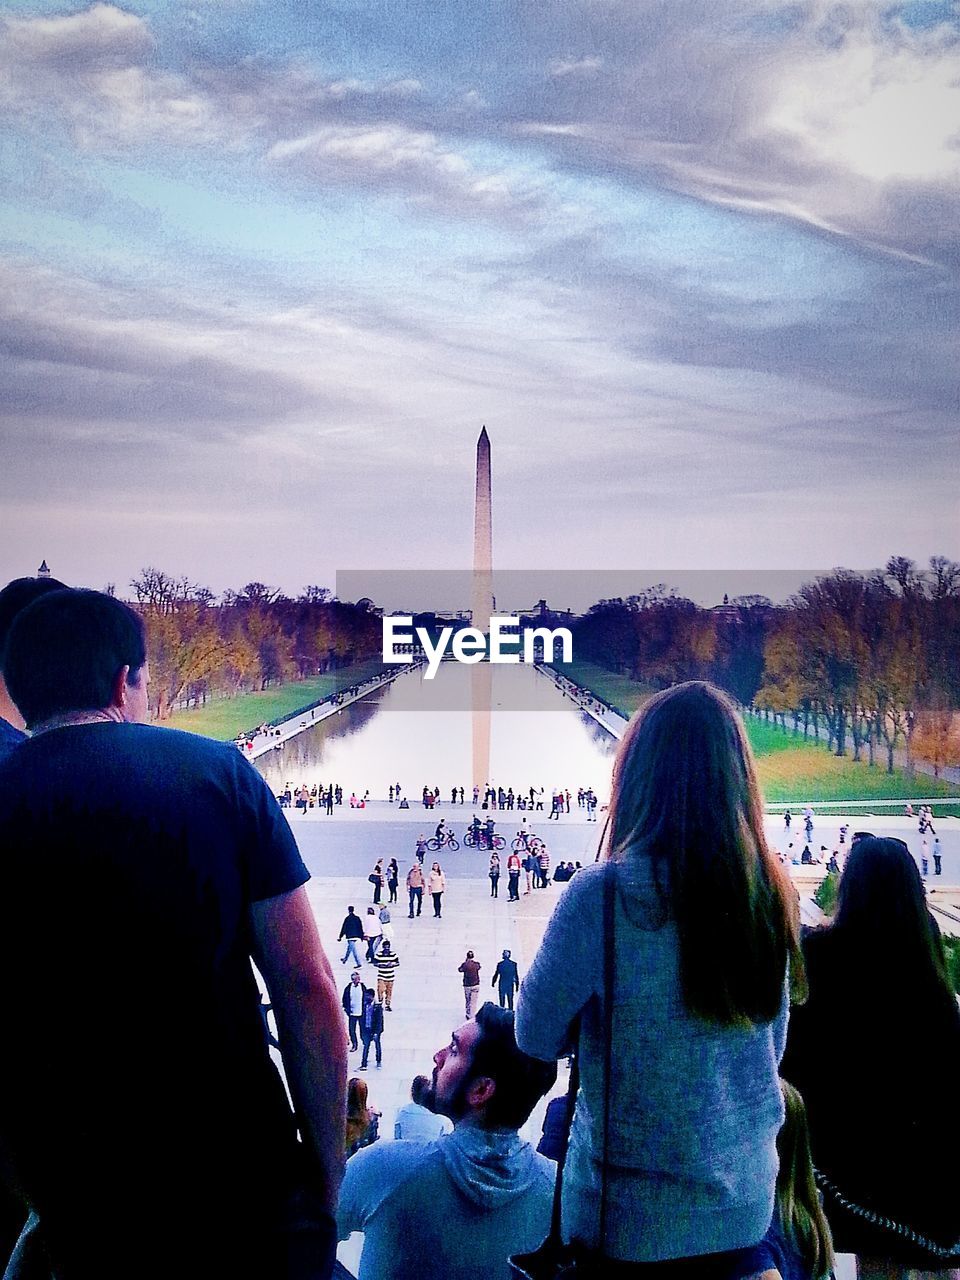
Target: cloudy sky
267	266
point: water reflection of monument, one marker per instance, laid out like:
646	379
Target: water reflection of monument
481	684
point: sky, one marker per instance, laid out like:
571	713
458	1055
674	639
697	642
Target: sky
266	268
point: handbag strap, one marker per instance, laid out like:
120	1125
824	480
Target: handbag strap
555	1237
938	1251
572	1089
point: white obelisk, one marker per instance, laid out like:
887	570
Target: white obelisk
482	608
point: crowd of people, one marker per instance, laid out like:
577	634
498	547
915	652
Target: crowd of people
327	796
704	1117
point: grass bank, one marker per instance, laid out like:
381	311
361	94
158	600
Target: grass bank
228	717
791	771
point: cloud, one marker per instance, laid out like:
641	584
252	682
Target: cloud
102	36
560	67
95	72
839	117
429	172
92	70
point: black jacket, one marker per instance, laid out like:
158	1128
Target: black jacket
352	927
507	975
376	1021
345	999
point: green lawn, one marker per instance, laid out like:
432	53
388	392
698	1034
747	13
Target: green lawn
227	717
619	692
791	771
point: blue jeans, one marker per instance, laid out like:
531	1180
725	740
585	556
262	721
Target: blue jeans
352	951
370	1038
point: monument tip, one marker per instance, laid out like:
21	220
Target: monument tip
483	436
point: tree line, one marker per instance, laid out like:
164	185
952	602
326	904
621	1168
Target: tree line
869	661
199	646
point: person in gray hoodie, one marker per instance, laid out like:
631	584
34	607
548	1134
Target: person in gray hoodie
457	1207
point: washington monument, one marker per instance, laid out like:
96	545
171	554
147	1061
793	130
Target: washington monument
482	608
482	599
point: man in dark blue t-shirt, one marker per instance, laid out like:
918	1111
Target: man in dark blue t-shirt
143	869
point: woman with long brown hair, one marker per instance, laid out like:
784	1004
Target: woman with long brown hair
705	930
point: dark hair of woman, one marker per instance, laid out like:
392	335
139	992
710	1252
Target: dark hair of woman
882	916
798	1200
685	795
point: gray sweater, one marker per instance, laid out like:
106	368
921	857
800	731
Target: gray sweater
695	1106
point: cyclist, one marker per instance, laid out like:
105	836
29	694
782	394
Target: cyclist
441	832
475	830
488	829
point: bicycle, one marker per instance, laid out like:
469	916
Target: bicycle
527	844
482	842
449	841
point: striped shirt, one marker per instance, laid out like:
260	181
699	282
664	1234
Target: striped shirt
387	965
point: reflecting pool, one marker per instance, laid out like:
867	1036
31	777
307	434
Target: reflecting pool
406	733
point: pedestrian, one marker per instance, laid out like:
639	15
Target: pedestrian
695	1026
352	931
371	1027
421	847
458	1206
798	1243
506	977
372	933
513	877
415	888
471	984
393	878
880	1000
530	868
386	928
543	866
14	598
494	874
787	820
363	1122
352	1000
936	855
376	879
924	857
387	964
164	887
437	884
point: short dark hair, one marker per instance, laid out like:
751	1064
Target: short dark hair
17	596
521	1080
65	650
